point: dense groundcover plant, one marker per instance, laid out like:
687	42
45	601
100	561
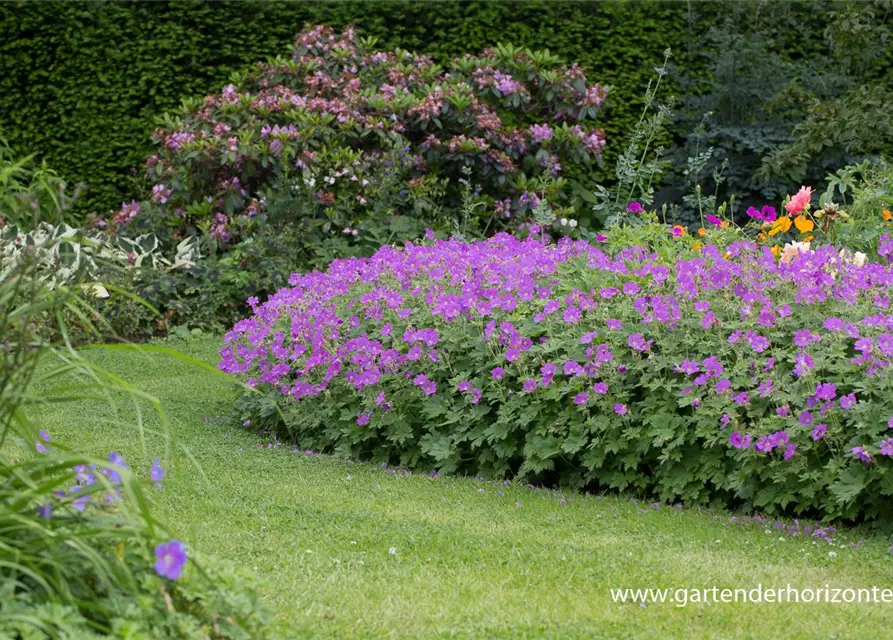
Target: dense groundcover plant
702	374
346	131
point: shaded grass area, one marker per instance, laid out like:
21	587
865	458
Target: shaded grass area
346	550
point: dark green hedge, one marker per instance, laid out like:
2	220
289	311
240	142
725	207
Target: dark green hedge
83	81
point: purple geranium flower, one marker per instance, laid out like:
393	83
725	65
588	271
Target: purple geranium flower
112	474
157	473
170	558
739	441
826	391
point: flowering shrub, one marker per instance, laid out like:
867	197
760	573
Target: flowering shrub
346	131
720	374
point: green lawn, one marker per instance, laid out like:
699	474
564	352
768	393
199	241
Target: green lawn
348	550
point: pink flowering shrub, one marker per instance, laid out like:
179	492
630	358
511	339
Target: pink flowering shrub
342	131
720	374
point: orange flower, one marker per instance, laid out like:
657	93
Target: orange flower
804	224
887	216
678	231
762	237
776	250
698	246
808	238
725	224
782	225
702	232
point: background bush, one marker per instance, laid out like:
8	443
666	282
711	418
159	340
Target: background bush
344	132
85	80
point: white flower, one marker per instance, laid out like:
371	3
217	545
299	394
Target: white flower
392	551
563	222
572	223
792	250
832	554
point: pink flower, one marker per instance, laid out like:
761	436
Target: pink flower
799	201
541	133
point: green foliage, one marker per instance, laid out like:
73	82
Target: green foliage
29	194
77	533
792	91
857	207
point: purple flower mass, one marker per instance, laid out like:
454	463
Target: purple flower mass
170	558
795	393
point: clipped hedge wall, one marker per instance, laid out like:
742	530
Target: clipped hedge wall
84	81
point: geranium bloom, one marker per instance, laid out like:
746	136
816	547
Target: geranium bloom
620	409
826	391
157	473
799	201
170	558
635	207
862	454
887	447
113	476
581	398
739	441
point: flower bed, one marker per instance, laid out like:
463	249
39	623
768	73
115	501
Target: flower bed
719	374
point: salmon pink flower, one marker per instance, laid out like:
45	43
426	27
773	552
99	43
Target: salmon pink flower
799	201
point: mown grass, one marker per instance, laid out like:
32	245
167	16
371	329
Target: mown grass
346	550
